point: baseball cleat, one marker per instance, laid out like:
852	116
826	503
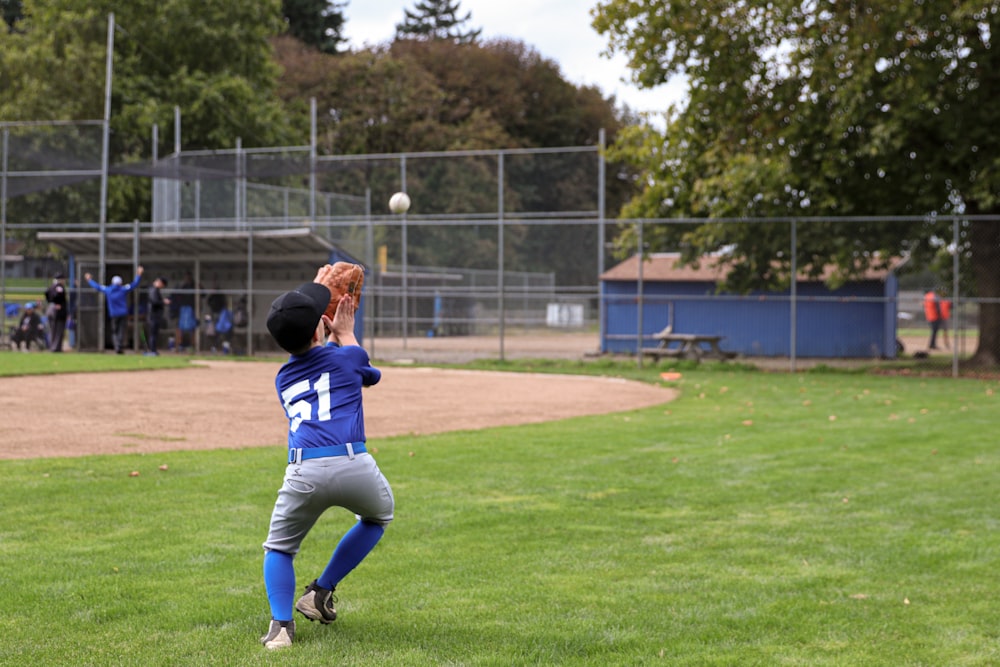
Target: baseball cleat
279	635
316	604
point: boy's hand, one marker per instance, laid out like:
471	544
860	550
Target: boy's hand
321	275
342	325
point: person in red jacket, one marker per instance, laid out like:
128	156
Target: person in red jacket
944	307
936	311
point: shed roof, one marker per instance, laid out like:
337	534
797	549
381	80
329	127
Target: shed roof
277	245
666	267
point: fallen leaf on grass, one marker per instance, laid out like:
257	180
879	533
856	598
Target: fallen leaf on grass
748	422
859	596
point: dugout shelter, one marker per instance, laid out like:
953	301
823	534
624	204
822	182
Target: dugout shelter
252	266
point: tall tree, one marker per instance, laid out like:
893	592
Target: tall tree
436	19
211	58
823	108
318	23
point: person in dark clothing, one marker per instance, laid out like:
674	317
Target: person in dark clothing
157	304
215	336
28	329
182	303
56	312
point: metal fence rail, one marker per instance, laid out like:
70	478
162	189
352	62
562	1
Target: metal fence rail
518	239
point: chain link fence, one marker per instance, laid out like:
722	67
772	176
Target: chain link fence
500	247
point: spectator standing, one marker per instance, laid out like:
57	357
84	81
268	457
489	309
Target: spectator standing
56	312
157	304
116	295
944	308
216	302
183	302
932	313
28	329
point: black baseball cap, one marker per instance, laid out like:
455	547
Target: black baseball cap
294	315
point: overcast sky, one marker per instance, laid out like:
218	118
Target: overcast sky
558	29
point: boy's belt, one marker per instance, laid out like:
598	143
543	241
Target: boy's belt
300	454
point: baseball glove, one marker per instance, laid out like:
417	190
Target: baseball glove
344	278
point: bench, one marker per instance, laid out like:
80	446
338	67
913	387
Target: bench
687	346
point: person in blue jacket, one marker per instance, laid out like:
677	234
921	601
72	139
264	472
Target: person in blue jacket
116	295
319	388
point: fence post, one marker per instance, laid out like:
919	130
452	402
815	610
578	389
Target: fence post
3	230
312	163
250	288
500	258
956	295
793	295
640	306
405	277
601	249
105	159
134	294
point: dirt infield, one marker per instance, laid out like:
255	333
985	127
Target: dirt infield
224	404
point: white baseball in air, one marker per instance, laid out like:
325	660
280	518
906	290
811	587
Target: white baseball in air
399	203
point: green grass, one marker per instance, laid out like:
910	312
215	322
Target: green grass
41	363
760	519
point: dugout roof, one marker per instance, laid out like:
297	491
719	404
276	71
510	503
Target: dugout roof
283	246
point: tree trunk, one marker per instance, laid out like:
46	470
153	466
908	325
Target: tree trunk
985	238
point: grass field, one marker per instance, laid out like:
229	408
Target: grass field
762	519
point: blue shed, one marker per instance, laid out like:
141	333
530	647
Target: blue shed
855	320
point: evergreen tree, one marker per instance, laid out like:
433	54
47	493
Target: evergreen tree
317	23
436	20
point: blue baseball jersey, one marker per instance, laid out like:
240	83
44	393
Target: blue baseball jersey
116	295
321	394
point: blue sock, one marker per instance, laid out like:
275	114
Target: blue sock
352	549
279	580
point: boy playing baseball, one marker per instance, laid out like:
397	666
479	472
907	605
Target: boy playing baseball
320	389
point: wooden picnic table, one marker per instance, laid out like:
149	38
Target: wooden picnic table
687	346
